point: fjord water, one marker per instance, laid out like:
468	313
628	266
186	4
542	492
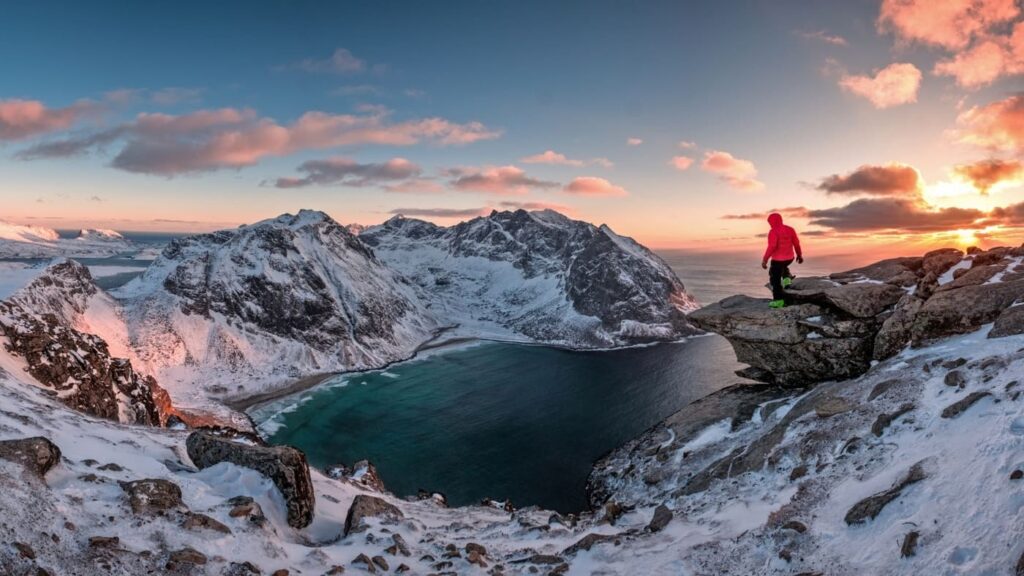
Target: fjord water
504	421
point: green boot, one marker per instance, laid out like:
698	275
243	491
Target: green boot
786	282
777	304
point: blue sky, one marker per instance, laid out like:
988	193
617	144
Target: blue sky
762	82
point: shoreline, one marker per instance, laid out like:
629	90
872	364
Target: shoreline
244	404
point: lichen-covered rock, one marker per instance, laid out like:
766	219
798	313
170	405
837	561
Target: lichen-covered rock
285	466
152	495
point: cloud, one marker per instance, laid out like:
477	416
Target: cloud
894	215
593	186
681	163
889	180
602	162
441	212
950	24
1011	215
789	212
348	172
175	95
687	144
738	173
208	140
998	126
823	36
340	62
893	85
631	141
501	180
69	147
551	157
985	61
20	119
985	174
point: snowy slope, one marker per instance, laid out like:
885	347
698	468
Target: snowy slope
538	276
237	311
20	241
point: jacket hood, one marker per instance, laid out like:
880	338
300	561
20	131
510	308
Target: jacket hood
775	219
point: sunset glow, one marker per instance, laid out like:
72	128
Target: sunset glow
888	125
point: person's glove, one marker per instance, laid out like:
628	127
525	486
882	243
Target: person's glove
764	264
799	259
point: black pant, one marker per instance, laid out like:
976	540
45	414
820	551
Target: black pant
778	270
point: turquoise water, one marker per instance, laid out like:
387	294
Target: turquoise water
504	421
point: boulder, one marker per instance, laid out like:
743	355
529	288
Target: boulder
365	506
963	309
662	516
152	495
285	466
37	454
1009	322
860	300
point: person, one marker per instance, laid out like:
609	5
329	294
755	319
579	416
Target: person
782	244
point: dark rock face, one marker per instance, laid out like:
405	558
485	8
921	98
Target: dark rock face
38	455
284	465
76	365
364	506
835	327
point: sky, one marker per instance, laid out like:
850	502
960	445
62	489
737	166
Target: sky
880	125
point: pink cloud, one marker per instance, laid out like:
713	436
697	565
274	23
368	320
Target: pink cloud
950	24
593	186
738	173
998	126
893	85
500	180
21	119
681	163
208	140
687	144
632	141
551	157
986	60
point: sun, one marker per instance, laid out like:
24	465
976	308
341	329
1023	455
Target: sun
966	238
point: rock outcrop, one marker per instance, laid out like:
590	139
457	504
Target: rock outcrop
38	455
835	327
284	465
77	366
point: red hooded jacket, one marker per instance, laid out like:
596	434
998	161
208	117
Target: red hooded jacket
782	240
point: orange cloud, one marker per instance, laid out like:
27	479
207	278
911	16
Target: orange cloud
593	186
21	119
889	180
738	173
985	174
501	180
950	24
895	215
789	212
996	126
681	163
893	85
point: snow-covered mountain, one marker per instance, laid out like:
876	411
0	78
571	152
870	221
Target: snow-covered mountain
538	276
21	241
269	302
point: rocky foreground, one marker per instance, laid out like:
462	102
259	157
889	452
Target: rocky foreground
861	457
